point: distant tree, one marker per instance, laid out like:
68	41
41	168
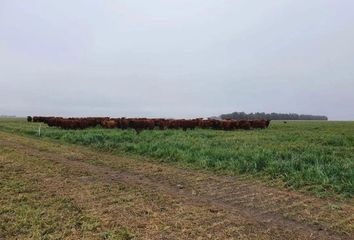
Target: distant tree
272	116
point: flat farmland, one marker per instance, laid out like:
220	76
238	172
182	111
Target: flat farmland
314	155
294	180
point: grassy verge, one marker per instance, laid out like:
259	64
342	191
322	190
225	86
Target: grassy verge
32	209
316	156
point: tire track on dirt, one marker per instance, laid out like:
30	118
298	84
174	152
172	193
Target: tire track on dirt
262	205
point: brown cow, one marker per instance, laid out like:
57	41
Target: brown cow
108	123
226	125
140	124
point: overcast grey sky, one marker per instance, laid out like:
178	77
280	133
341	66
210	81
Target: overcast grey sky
176	58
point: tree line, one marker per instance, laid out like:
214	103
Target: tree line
272	116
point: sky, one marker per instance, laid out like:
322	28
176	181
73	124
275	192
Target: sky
176	58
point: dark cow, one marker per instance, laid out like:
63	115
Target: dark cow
141	124
267	123
244	124
258	124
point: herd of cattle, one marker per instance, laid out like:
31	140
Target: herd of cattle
140	124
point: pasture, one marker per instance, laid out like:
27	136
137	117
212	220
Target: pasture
314	156
197	184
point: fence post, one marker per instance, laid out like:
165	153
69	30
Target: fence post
39	129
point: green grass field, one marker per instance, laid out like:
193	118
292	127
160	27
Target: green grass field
316	156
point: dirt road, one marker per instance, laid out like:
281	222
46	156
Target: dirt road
155	201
